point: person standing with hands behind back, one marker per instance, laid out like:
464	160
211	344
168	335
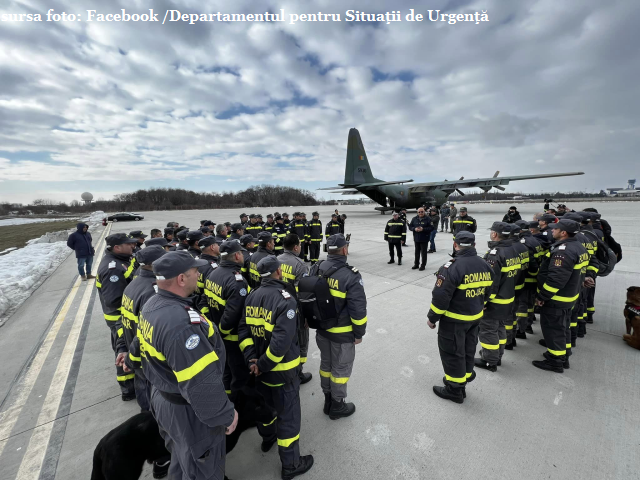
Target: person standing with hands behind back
421	228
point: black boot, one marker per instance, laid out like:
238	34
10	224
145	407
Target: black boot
448	393
266	445
161	468
509	346
306	462
521	335
415	267
305	377
399	260
391	261
327	403
480	363
566	363
514	343
529	330
547	365
421	268
542	342
341	409
589	318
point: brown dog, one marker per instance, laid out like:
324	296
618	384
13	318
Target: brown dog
632	317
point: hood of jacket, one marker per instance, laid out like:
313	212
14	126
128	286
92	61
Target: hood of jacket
80	226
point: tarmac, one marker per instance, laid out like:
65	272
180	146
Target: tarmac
60	397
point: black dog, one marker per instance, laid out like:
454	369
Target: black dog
121	453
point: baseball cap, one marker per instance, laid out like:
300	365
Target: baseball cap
194	235
237	226
463	209
156	242
174	263
208	223
264	237
242	215
206	241
229	247
182	234
534	224
246	239
148	255
268	265
570	226
465	239
137	234
500	227
523	224
314	214
119	239
548	218
576	217
168	230
336	241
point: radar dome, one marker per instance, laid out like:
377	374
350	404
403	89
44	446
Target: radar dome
87	197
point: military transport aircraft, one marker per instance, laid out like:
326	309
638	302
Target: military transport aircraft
359	180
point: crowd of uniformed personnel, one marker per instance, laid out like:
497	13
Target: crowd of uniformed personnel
196	316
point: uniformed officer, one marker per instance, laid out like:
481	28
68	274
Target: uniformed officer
226	290
527	262
462	286
111	282
268	338
601	229
260	220
395	233
268	227
139	236
253	228
333	227
285	219
237	230
279	232
421	227
266	245
168	235
192	240
505	263
299	227
182	240
221	233
544	221
314	229
183	357
205	231
524	309
244	220
158	242
209	251
559	284
464	222
293	269
338	344
247	244
589	217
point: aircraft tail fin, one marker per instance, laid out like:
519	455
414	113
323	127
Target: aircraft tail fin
357	169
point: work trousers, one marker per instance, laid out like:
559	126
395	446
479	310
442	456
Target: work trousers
457	343
524	308
421	249
81	263
303	340
305	249
577	313
143	391
286	426
432	238
397	247
590	302
582	315
237	367
553	322
198	452
490	335
125	380
444	223
314	251
336	365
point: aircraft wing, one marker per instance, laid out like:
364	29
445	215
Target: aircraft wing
485	184
347	191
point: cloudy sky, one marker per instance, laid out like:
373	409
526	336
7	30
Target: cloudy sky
544	86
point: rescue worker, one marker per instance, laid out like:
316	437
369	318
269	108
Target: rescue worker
253	228
293	269
158	241
269	341
464	222
445	211
168	235
332	227
183	358
266	245
247	244
237	230
244	220
527	264
544	221
314	231
462	286
526	300
559	283
435	220
299	227
338	344
589	217
279	232
394	233
268	227
505	264
285	219
228	225
139	236
209	251
601	229
192	239
221	233
512	216
453	213
182	240
226	290
403	218
111	282
421	227
343	221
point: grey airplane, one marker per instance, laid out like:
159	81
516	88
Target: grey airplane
395	195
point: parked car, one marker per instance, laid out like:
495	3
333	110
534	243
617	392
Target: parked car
124	216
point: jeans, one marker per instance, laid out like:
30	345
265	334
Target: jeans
81	263
421	249
432	238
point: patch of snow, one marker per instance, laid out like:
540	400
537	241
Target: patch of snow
23	271
8	250
95	217
23	221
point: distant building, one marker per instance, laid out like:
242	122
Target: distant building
629	191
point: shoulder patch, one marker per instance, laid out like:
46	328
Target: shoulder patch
291	314
361	282
493	252
112	264
439	281
239	277
522	240
194	316
562	247
354	269
447	265
243	292
114	278
214	265
285	294
192	342
544	233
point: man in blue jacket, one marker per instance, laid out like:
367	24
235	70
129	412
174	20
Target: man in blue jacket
80	241
421	227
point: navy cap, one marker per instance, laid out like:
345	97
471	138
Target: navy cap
258	215
119	239
265	237
465	239
534	224
576	217
229	247
523	224
314	214
207	241
182	235
237	226
205	229
137	234
285	214
393	214
566	225
168	230
246	239
500	227
194	235
269	216
336	241
227	224
242	215
278	217
463	209
548	218
148	255
514	228
174	263
208	223
268	265
334	215
158	241
253	215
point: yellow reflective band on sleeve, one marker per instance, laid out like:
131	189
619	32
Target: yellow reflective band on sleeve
557	353
503	341
580	265
464	286
288	441
254	272
512	267
459	316
228	392
325	374
271	422
231	338
493	295
120	332
204	310
146	347
338	293
518	314
127	314
98	284
129	271
395	236
558	298
591	309
286	366
362	321
133	358
568	345
503	301
190	372
531	280
457	379
340	329
215	297
124	378
273	357
248	289
530	310
225	332
439	311
595	269
340	380
508	327
488	346
111	318
243	270
316	239
520	287
468	375
573	324
245	343
303	359
550	289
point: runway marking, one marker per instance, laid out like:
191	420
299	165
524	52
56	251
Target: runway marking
379	434
558	399
406	371
423	359
422	442
9	417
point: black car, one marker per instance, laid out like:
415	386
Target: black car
123	217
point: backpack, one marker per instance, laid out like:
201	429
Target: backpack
615	246
606	257
316	301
